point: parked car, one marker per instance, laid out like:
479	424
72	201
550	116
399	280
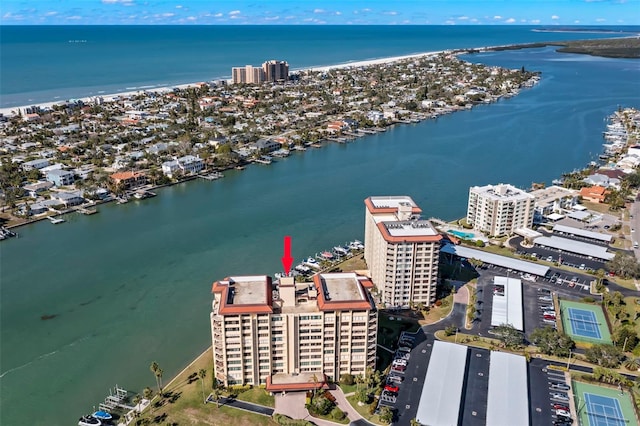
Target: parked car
400	362
561	407
563	413
561	386
547	308
545	298
560	396
388	393
392	388
550	313
398	368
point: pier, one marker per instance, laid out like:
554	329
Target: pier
86	211
212	176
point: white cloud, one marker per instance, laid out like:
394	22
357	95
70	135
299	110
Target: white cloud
318	10
74	18
178	6
271	18
462	18
218	15
577	21
391	12
52	13
473	20
450	22
366	9
191	18
510	21
535	21
234	13
338	13
555	17
290	17
497	17
164	15
600	20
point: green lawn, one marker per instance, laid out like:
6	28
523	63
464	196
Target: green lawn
257	396
363	410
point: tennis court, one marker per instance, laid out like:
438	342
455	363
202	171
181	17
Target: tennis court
584	322
601	406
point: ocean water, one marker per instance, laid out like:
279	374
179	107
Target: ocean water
92	302
48	63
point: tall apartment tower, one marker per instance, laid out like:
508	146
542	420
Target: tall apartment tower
247	74
401	250
276	70
293	336
499	209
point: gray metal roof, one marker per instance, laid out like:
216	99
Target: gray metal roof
507	399
582	233
507	309
496	259
442	389
573	246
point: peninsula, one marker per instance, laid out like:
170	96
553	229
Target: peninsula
625	47
61	156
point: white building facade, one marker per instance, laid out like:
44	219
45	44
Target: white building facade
499	209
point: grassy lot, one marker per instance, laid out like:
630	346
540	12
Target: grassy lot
623	283
348	388
257	396
184	405
353	264
504	251
363	410
436	313
600	208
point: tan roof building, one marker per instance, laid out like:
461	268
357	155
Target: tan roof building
292	336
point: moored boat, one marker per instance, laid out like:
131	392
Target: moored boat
89	421
102	415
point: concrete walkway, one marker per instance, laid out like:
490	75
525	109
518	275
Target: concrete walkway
292	405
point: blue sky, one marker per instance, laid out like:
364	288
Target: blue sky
318	12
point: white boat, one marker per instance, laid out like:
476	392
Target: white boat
122	200
55	220
302	268
89	421
356	245
312	263
340	251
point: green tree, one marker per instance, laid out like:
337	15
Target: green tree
625	338
157	372
202	374
386	415
552	342
624	265
607	356
362	396
347	379
511	337
147	393
215	394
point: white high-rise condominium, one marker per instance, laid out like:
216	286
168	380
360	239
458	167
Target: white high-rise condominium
499	209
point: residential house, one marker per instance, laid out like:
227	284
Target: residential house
60	177
35	189
37	164
68	199
129	180
267	145
597	179
595	194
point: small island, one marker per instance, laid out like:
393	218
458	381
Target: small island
627	47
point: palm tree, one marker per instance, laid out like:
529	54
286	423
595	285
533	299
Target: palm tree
632	364
157	371
147	393
414	422
216	395
202	374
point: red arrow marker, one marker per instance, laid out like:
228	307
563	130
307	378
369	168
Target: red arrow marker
287	260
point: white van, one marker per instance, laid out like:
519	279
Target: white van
635	244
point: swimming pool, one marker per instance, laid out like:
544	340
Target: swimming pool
463	235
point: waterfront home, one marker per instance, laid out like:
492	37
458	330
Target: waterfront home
37	164
34	189
60	177
267	145
595	194
598	179
84	171
129	180
68	199
554	199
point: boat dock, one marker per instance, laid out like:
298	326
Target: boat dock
86	211
212	176
56	220
263	160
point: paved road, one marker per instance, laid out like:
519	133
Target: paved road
243	405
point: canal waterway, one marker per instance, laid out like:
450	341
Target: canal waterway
92	302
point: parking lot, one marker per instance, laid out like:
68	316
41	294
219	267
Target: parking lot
548	394
552	255
565	285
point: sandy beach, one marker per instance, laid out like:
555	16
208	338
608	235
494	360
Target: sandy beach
9	111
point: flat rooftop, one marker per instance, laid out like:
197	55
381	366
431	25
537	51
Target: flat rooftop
247	290
572	246
443	385
342	287
410	228
583	233
496	259
502	191
507	309
546	196
394	201
507	397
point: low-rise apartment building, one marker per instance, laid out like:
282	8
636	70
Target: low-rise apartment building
499	209
402	251
292	336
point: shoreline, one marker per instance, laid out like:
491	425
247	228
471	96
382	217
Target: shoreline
109	97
